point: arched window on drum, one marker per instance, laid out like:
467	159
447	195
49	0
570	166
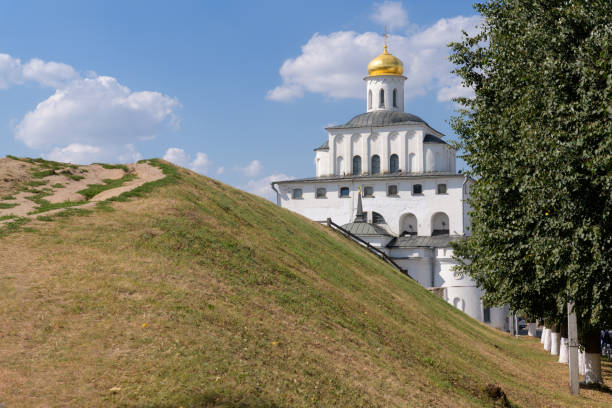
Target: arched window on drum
375	168
394	163
356	165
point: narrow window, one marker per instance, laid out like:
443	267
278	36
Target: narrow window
376	164
344	192
417	189
394	163
441	188
356	165
381	103
392	190
368	191
487	314
377	218
297	193
321	192
370	99
395	98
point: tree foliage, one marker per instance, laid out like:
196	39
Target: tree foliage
537	136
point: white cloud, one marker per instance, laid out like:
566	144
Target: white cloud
85	154
220	170
75	153
95	110
87	117
333	64
50	74
177	156
252	169
53	74
262	187
454	89
10	71
129	155
200	163
391	14
180	157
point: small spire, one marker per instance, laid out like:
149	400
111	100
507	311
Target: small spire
360	217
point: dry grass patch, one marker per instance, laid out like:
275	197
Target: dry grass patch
197	294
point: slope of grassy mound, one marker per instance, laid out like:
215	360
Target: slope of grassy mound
187	292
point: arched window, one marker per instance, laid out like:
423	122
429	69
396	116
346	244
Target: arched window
439	224
382	98
370	99
356	165
408	225
339	164
375	164
394	163
395	98
378	218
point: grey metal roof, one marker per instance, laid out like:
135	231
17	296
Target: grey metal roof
324	146
386	176
413	241
433	139
364	228
380	118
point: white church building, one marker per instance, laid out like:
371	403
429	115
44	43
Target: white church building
403	173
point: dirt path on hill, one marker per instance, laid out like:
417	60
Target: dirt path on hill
18	185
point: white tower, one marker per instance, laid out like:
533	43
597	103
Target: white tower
385	84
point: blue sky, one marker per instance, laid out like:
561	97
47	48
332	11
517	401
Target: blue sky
237	90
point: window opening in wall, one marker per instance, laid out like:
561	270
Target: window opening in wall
381	103
339	164
376	164
394	163
395	98
344	192
321	192
441	188
417	189
486	314
370	99
356	165
368	191
378	218
392	190
296	193
439	224
408	225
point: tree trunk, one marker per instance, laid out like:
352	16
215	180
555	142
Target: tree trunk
546	335
531	329
592	358
555	339
564	343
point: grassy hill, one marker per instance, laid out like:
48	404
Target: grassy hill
187	292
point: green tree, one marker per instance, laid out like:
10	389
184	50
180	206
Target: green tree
537	136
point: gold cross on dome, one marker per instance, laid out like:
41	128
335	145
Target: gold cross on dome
386	36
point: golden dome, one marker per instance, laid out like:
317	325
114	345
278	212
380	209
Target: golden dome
385	64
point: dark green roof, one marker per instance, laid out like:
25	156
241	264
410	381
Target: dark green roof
413	241
379	119
364	228
433	139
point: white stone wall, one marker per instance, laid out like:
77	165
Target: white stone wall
388	83
342	210
404	141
